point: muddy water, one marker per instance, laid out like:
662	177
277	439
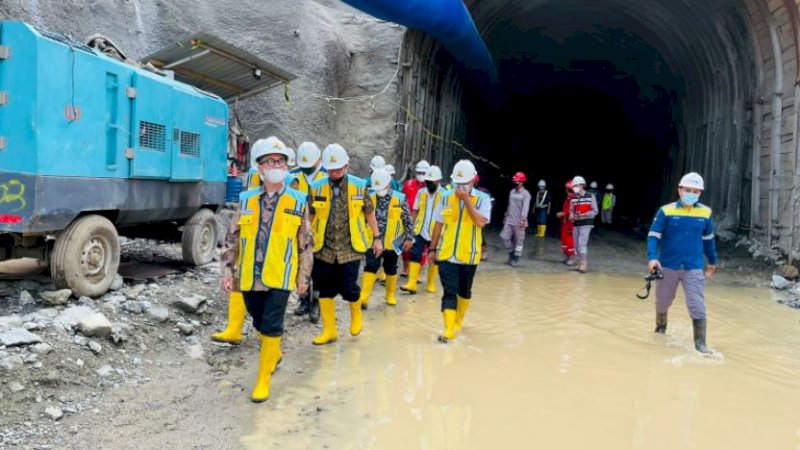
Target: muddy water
548	361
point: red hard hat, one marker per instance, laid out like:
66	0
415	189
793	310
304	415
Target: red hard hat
569	184
519	176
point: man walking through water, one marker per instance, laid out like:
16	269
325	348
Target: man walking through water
681	235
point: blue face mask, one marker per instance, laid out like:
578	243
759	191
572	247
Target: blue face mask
689	199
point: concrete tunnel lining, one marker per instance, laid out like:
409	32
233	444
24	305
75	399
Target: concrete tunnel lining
735	66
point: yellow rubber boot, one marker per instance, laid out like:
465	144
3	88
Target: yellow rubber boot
381	274
236	315
449	316
391	288
366	289
433	273
327	310
461	311
413	276
544	230
270	352
355	319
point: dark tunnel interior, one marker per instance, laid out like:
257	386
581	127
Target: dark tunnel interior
588	92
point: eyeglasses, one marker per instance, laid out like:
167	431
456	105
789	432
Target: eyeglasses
271	162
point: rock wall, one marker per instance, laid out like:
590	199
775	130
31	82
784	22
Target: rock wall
333	49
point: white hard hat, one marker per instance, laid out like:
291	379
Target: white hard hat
593	184
380	179
610	187
578	180
377	162
434	173
292	159
542	183
389	168
268	146
692	180
463	172
334	157
422	166
308	154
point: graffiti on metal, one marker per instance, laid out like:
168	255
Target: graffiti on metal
12	193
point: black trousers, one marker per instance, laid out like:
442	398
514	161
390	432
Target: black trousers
267	309
389	258
419	247
456	282
335	279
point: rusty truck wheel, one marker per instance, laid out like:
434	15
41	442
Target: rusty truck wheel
199	238
86	256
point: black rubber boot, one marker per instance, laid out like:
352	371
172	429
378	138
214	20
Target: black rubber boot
700	335
510	258
514	262
661	323
313	313
303	307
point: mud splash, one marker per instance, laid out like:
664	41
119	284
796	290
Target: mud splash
547	361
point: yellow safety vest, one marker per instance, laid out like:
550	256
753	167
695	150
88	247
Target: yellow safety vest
394	221
280	261
460	236
321	202
302	183
421	215
607	201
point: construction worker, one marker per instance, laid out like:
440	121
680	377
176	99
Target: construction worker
594	191
608	204
342	210
516	219
309	169
410	189
268	254
456	244
376	162
583	210
424	206
394	222
396	185
542	207
567	242
682	233
237	312
292	158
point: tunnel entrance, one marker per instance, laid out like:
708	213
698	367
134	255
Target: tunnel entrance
630	92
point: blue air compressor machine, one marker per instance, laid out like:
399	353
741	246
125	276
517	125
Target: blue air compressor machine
91	146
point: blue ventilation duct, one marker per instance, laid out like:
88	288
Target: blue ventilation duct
450	23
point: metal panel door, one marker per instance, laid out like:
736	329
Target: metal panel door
152	122
187	156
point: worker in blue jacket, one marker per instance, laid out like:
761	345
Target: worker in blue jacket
681	236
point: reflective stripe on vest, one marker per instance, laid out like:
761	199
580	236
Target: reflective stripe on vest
356	191
460	236
394	220
280	253
423	211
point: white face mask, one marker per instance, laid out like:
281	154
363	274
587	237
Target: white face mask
273	176
382	192
464	187
576	189
421	177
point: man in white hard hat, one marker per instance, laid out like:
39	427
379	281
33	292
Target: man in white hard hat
542	208
456	244
394	223
265	262
232	334
410	189
342	211
424	206
396	186
607	207
681	236
309	169
292	158
376	162
583	210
